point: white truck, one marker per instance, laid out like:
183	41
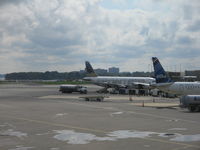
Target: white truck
69	88
192	102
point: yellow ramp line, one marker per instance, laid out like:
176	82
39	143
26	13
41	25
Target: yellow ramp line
98	131
162	117
59	125
133	112
170	142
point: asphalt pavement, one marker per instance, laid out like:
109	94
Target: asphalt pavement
39	117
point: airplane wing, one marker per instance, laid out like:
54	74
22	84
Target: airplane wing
112	85
140	85
162	84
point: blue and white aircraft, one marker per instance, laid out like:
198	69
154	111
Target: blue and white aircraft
164	83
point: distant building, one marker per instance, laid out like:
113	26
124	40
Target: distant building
175	76
125	74
113	70
193	73
101	71
185	76
82	71
2	77
190	78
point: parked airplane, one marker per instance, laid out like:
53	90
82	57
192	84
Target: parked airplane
117	82
190	91
164	83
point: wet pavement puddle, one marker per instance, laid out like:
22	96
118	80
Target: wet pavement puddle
11	132
61	114
116	113
72	137
78	138
186	138
123	134
21	148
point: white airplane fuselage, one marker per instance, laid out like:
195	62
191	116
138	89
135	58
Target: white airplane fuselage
126	81
180	88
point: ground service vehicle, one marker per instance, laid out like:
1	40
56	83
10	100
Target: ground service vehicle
192	102
67	88
98	98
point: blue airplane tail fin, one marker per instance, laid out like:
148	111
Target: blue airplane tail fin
159	72
89	69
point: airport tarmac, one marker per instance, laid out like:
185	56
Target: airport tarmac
39	117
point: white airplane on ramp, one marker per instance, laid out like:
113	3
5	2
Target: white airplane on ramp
190	91
117	82
164	83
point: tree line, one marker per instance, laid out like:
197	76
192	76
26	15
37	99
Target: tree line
54	75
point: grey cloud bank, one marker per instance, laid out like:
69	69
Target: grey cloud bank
60	35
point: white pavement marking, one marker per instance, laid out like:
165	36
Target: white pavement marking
133	112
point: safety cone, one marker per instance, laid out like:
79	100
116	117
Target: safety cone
142	103
130	98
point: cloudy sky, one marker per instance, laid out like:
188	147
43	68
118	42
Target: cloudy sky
41	35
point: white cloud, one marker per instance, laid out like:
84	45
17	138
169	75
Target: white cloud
40	35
